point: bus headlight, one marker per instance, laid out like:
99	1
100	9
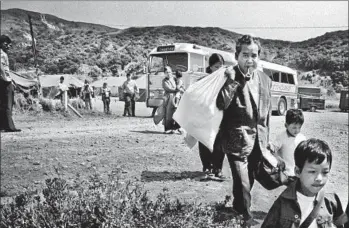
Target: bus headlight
151	95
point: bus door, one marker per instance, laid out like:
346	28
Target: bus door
155	92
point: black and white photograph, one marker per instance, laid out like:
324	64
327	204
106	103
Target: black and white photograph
174	114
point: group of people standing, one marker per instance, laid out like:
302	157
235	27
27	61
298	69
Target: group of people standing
129	87
243	137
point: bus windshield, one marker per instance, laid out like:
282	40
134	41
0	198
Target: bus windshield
177	61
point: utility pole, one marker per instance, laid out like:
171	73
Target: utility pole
35	55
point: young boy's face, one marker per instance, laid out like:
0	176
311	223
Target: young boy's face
313	177
293	128
248	57
216	66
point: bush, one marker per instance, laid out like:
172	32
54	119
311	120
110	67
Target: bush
77	103
51	105
27	103
106	203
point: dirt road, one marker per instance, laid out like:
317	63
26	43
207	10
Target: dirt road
144	153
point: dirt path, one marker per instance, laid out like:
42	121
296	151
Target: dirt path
145	154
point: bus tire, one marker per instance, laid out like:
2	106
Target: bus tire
282	107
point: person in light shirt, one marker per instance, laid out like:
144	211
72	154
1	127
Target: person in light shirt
304	202
287	141
6	88
130	90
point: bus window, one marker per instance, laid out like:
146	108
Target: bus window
157	64
268	72
284	78
196	62
177	61
276	77
290	79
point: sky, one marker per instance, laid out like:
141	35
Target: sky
283	20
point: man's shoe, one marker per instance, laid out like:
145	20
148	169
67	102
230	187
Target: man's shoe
207	175
218	176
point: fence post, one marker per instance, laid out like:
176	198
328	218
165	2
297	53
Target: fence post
65	100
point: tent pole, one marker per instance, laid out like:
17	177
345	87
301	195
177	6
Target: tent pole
35	56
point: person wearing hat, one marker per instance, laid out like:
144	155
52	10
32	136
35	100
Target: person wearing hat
6	88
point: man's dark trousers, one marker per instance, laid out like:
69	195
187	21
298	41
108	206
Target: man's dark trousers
129	104
243	178
6	104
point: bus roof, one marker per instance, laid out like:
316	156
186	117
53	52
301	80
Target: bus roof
274	66
193	48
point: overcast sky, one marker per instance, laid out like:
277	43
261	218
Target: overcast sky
275	17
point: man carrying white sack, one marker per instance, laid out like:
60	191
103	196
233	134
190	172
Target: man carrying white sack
245	100
235	101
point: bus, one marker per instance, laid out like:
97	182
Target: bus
192	60
284	90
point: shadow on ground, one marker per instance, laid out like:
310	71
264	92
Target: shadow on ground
149	132
149	176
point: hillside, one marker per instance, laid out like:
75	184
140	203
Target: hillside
75	47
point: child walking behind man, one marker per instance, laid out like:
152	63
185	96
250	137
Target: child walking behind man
287	141
304	203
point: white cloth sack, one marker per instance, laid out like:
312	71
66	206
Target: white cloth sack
197	112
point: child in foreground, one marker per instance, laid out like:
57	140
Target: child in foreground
287	141
304	202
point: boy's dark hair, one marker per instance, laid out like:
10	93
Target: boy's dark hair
247	39
61	78
4	38
105	83
294	116
215	58
178	74
312	150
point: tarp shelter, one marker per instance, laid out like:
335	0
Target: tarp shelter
49	84
24	83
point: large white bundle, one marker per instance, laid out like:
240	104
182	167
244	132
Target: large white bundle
197	112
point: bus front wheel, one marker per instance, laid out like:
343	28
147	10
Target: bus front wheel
282	107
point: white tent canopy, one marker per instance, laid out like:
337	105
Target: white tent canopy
118	81
53	80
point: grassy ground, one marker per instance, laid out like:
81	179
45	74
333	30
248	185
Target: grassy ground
73	148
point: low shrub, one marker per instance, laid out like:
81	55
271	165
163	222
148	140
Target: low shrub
27	103
51	105
111	203
77	103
